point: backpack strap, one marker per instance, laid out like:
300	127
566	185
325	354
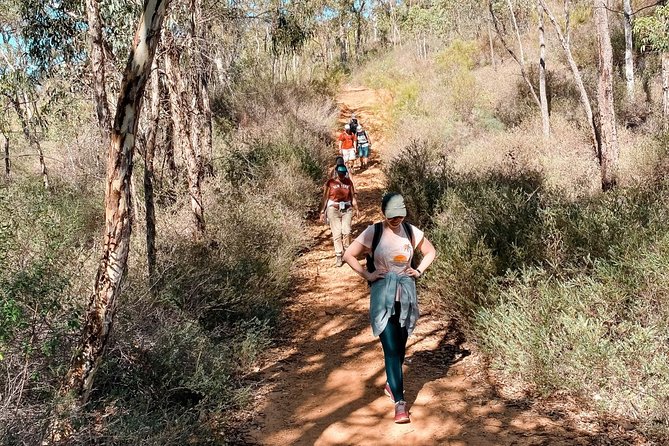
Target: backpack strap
378	230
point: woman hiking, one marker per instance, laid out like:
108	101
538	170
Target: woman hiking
338	204
392	272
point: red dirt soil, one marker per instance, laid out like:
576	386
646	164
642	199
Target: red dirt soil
325	385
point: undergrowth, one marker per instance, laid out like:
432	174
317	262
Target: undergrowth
569	295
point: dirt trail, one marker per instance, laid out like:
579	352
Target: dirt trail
326	385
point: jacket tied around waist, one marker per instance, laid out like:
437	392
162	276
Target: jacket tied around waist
382	302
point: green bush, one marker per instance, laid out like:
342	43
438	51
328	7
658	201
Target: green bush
570	296
420	173
41	237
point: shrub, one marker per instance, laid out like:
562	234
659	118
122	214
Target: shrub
41	237
421	174
567	295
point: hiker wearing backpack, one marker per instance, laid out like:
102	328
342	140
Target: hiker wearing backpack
353	123
391	272
347	146
363	144
337	208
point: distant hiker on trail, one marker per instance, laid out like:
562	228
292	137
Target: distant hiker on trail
337	206
339	161
392	272
353	123
347	146
363	144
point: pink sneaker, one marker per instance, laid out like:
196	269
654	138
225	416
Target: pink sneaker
401	413
388	392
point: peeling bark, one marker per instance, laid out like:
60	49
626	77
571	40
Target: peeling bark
118	204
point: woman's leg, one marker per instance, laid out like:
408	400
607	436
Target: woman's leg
346	218
393	339
334	216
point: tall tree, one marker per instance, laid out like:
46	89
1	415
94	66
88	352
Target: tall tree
519	60
97	59
565	41
118	203
607	115
17	86
545	120
183	113
8	162
24	108
629	47
512	14
149	153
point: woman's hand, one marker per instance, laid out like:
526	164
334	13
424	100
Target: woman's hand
376	275
409	271
322	218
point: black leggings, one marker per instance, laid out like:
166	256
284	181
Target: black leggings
394	342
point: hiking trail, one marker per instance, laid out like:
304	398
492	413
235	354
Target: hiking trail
324	386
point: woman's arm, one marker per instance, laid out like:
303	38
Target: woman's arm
429	253
324	201
355	250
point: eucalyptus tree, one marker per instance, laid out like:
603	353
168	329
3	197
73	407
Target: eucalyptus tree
565	41
628	25
543	97
118	218
98	69
607	115
494	9
21	91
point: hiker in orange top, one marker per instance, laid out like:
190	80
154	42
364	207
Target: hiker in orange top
392	271
337	207
347	141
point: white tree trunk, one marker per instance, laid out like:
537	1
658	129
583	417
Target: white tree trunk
566	46
629	49
521	53
520	63
546	127
492	48
665	89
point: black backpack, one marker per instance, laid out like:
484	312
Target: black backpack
378	230
354	125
